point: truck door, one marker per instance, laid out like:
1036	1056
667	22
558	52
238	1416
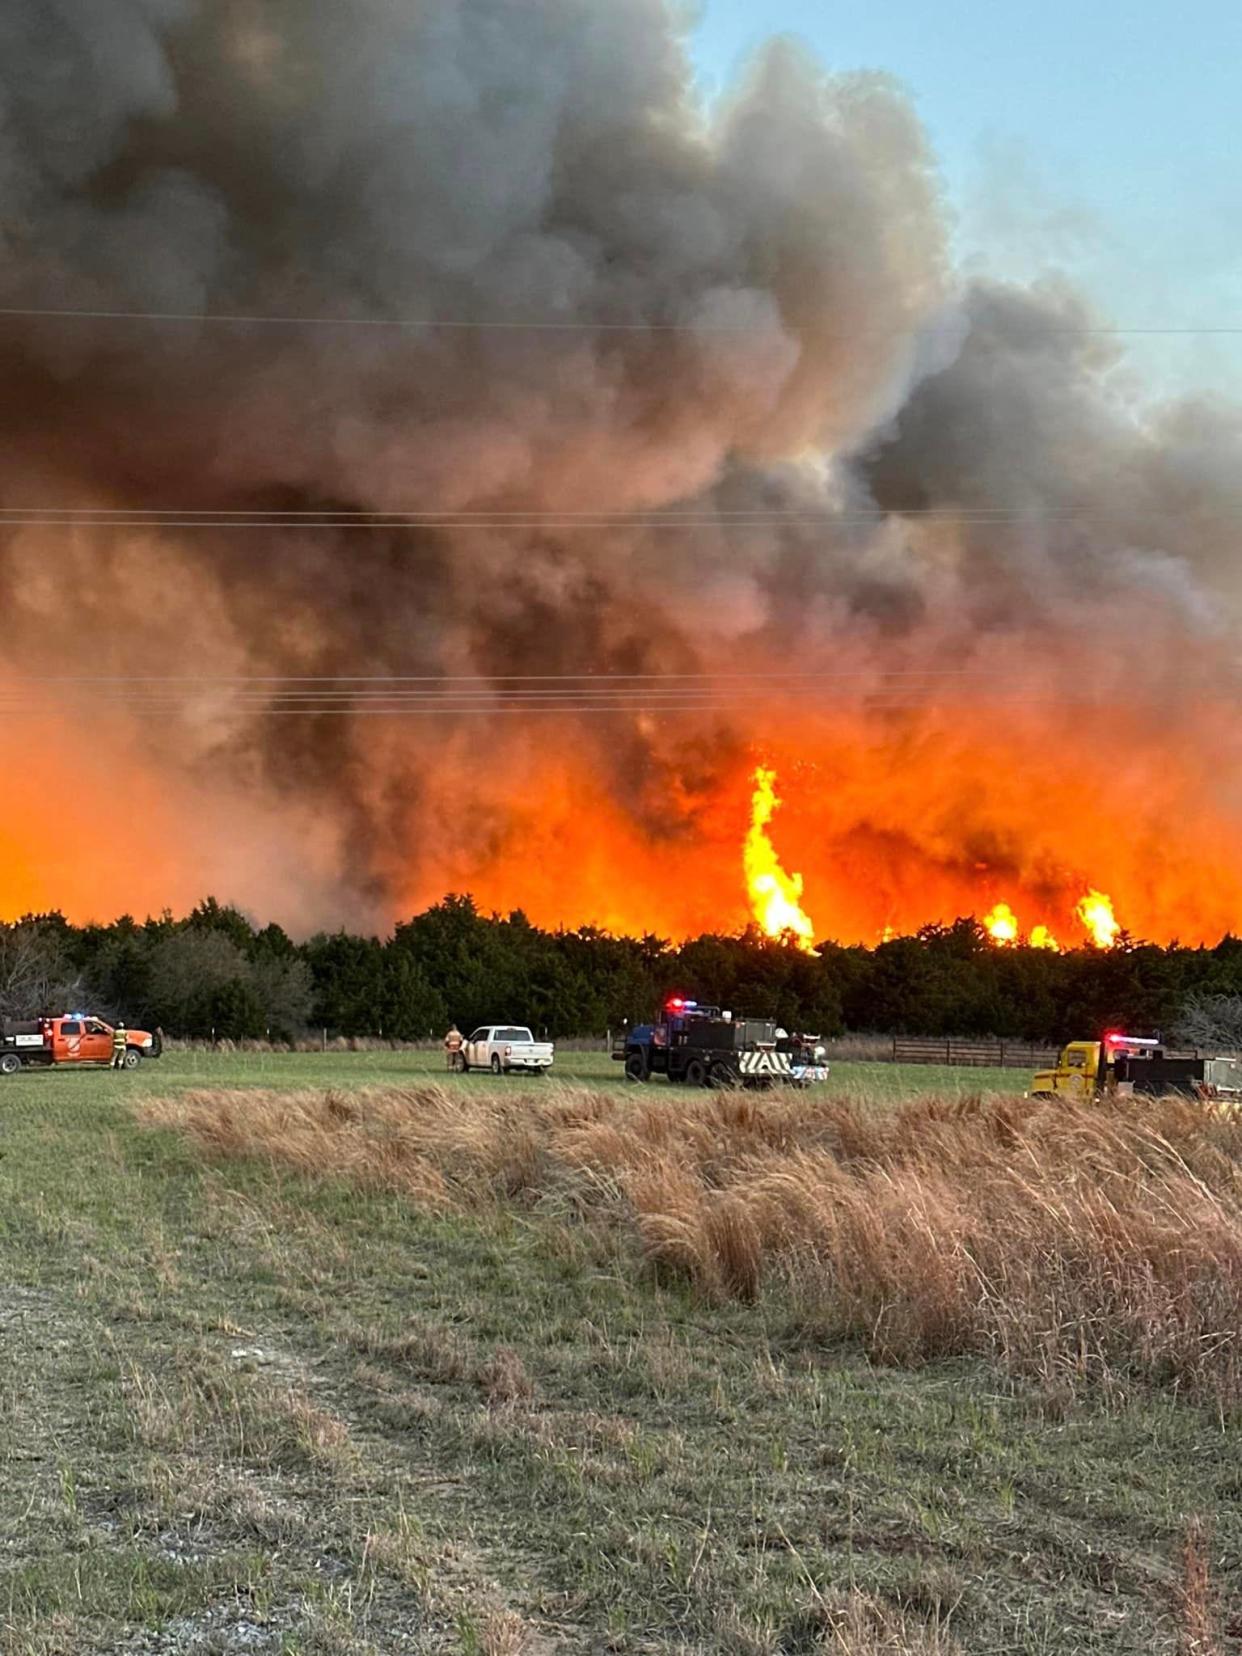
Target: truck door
96	1042
67	1041
1078	1064
477	1054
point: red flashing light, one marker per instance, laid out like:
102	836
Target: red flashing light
676	1003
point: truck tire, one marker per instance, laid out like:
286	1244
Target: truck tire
636	1066
10	1063
497	1066
696	1073
721	1076
132	1058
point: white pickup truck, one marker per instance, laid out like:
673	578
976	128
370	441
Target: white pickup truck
505	1047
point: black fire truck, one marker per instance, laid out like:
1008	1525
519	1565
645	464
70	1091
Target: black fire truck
701	1046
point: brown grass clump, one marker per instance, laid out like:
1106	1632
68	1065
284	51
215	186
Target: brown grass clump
1198	1624
1081	1243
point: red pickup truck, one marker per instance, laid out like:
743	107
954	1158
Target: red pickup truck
75	1038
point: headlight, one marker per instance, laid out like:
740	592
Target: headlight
147	1041
821	1052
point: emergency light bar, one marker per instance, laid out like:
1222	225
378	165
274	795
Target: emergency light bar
677	1004
1132	1040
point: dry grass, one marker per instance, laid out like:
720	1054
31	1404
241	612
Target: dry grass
1090	1244
1198	1621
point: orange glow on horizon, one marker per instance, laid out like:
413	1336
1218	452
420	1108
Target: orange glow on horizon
890	822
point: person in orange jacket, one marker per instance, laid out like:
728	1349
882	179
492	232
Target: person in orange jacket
453	1044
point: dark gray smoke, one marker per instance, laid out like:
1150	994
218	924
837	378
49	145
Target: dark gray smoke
802	350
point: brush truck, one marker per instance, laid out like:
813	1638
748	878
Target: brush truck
701	1046
1121	1065
74	1038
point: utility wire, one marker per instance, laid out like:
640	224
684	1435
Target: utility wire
17	703
209	681
41	712
983	519
520	325
348	514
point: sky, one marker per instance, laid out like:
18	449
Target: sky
1096	138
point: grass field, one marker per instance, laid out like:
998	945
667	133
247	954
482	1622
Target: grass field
250	1406
346	1069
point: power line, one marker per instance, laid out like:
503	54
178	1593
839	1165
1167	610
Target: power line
980	518
695	514
860	694
42	712
215	681
521	325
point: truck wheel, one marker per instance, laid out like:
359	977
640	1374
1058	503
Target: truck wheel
496	1064
132	1058
636	1066
10	1063
721	1076
696	1073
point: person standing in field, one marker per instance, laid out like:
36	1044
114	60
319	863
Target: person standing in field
119	1042
452	1046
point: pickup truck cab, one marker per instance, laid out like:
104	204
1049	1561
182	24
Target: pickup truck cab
505	1047
74	1038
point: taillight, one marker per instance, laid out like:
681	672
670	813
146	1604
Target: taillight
509	1052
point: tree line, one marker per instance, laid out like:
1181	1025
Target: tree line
215	974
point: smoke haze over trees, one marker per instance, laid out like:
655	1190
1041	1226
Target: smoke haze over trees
214	973
1013	573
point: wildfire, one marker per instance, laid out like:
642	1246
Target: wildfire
775	897
1002	924
1042	938
1095	911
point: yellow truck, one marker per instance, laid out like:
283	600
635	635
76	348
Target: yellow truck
1127	1064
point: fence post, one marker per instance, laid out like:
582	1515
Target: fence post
325	1040
948	1052
894	1049
1002	1062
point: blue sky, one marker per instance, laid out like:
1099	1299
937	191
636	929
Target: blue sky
1101	139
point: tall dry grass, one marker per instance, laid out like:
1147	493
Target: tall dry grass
1097	1244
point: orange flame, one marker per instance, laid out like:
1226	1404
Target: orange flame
1095	910
1042	938
1001	924
774	895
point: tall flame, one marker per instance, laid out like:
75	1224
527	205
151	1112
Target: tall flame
775	897
1095	911
1002	924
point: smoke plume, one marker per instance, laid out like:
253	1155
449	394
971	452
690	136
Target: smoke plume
941	563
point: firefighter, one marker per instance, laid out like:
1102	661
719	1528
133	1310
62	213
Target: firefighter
453	1044
119	1042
